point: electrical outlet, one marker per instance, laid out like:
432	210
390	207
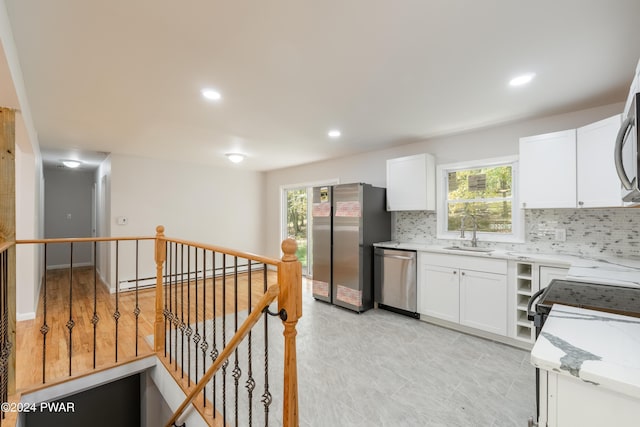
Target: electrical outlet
122	220
561	234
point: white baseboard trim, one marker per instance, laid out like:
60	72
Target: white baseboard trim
25	316
66	266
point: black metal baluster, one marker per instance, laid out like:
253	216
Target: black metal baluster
251	383
236	367
204	345
266	396
182	324
5	345
196	336
188	330
170	314
116	313
176	319
224	338
214	349
3	283
136	311
95	319
4	333
44	329
70	322
167	300
4	371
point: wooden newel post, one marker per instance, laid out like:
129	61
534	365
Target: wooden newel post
8	227
160	257
290	298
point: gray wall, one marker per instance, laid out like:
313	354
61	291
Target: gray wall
67	213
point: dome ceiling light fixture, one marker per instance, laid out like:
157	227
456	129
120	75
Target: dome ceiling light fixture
235	157
211	94
522	79
71	164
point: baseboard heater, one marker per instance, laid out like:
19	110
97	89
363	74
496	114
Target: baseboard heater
150	282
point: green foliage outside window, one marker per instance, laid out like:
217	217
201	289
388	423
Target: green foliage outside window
297	221
485	193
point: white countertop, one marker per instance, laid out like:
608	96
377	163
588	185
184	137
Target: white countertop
594	346
607	271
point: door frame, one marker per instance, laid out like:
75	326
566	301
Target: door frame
283	211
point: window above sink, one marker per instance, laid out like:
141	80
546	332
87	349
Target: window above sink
480	194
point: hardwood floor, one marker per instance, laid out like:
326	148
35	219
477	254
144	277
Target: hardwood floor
84	345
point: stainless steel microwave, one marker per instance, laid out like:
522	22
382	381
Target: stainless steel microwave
626	152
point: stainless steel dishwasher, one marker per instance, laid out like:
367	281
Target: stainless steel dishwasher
395	281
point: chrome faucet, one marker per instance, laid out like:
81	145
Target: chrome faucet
474	237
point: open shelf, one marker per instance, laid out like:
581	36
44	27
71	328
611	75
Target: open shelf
524	270
524	333
525	287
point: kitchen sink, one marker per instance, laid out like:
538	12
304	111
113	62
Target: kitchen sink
468	248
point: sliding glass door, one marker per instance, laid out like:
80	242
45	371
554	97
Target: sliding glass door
297	222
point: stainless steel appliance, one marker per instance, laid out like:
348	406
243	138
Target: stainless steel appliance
395	281
321	242
358	218
626	152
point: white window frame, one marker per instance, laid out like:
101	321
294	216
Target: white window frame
517	214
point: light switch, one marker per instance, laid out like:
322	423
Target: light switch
561	234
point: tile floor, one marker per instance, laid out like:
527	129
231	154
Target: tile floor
382	369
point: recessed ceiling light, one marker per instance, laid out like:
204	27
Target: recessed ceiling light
72	164
334	133
522	80
211	94
235	157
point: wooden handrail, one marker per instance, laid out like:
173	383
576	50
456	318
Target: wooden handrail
269	296
5	245
83	239
228	251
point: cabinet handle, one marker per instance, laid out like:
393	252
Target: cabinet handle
524	204
462	273
455	272
580	203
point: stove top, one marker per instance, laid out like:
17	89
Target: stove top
611	299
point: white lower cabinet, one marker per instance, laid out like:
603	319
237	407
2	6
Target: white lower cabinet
483	301
568	401
440	294
471	291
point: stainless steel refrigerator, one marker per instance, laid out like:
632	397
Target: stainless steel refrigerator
347	220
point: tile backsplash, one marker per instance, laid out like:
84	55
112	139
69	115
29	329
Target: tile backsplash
604	232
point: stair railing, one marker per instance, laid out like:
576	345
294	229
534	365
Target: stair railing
188	271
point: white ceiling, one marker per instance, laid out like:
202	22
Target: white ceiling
125	76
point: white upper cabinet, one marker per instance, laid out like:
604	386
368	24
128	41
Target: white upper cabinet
548	170
572	168
598	183
411	183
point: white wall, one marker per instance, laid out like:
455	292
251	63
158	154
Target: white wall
103	209
28	271
219	206
371	167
